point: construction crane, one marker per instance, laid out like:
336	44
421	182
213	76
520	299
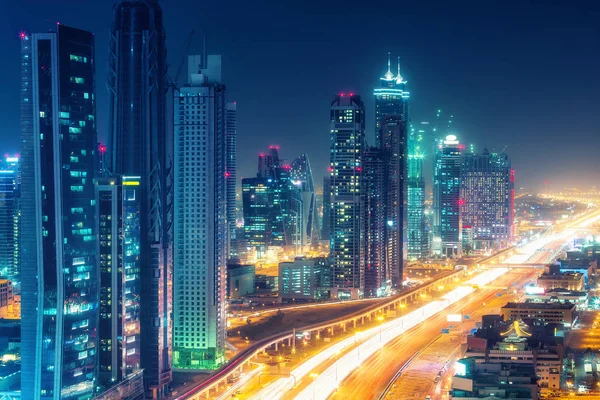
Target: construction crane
174	81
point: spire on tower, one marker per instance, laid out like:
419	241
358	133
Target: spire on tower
388	75
399	77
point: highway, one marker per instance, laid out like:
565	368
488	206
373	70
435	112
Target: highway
369	381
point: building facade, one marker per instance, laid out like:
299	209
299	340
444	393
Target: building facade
231	172
375	248
201	189
447	203
417	233
487	189
140	145
305	279
302	179
119	327
347	144
59	355
9	220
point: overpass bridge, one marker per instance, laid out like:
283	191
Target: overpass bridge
233	367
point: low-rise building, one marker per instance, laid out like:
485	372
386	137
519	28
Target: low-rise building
580	299
513	347
493	380
547	312
305	279
561	280
240	280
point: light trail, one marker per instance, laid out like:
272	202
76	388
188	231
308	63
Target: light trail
374	339
329	380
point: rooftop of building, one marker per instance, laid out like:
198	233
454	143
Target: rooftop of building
539	306
561	276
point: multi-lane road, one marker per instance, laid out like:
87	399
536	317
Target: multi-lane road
370	380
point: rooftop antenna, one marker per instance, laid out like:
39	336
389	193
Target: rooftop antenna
204	56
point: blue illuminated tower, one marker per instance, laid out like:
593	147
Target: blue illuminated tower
9	220
141	150
59	292
391	127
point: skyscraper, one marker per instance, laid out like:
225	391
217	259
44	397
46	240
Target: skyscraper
10	234
347	144
326	221
416	233
201	189
375	180
393	141
302	179
273	207
447	217
140	147
391	127
231	171
487	187
59	291
119	253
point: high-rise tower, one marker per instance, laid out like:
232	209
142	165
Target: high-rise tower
391	127
10	215
487	189
59	291
447	217
140	148
347	144
201	188
416	233
302	179
231	170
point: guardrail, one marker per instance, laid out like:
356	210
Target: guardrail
237	362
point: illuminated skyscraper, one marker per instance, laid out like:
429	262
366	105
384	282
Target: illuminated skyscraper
347	144
10	220
273	207
302	179
487	186
119	253
59	291
417	234
447	218
231	171
201	189
391	126
375	181
326	222
141	146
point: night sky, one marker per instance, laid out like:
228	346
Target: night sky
520	74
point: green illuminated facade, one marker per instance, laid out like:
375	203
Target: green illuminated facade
417	233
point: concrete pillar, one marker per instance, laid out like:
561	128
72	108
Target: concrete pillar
355	323
276	347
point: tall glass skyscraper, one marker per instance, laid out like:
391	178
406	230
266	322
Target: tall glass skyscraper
140	146
201	189
391	127
59	293
416	234
10	220
231	170
347	144
302	179
487	186
447	203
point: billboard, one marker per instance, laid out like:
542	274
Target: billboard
454	318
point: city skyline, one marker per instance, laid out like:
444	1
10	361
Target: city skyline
472	88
